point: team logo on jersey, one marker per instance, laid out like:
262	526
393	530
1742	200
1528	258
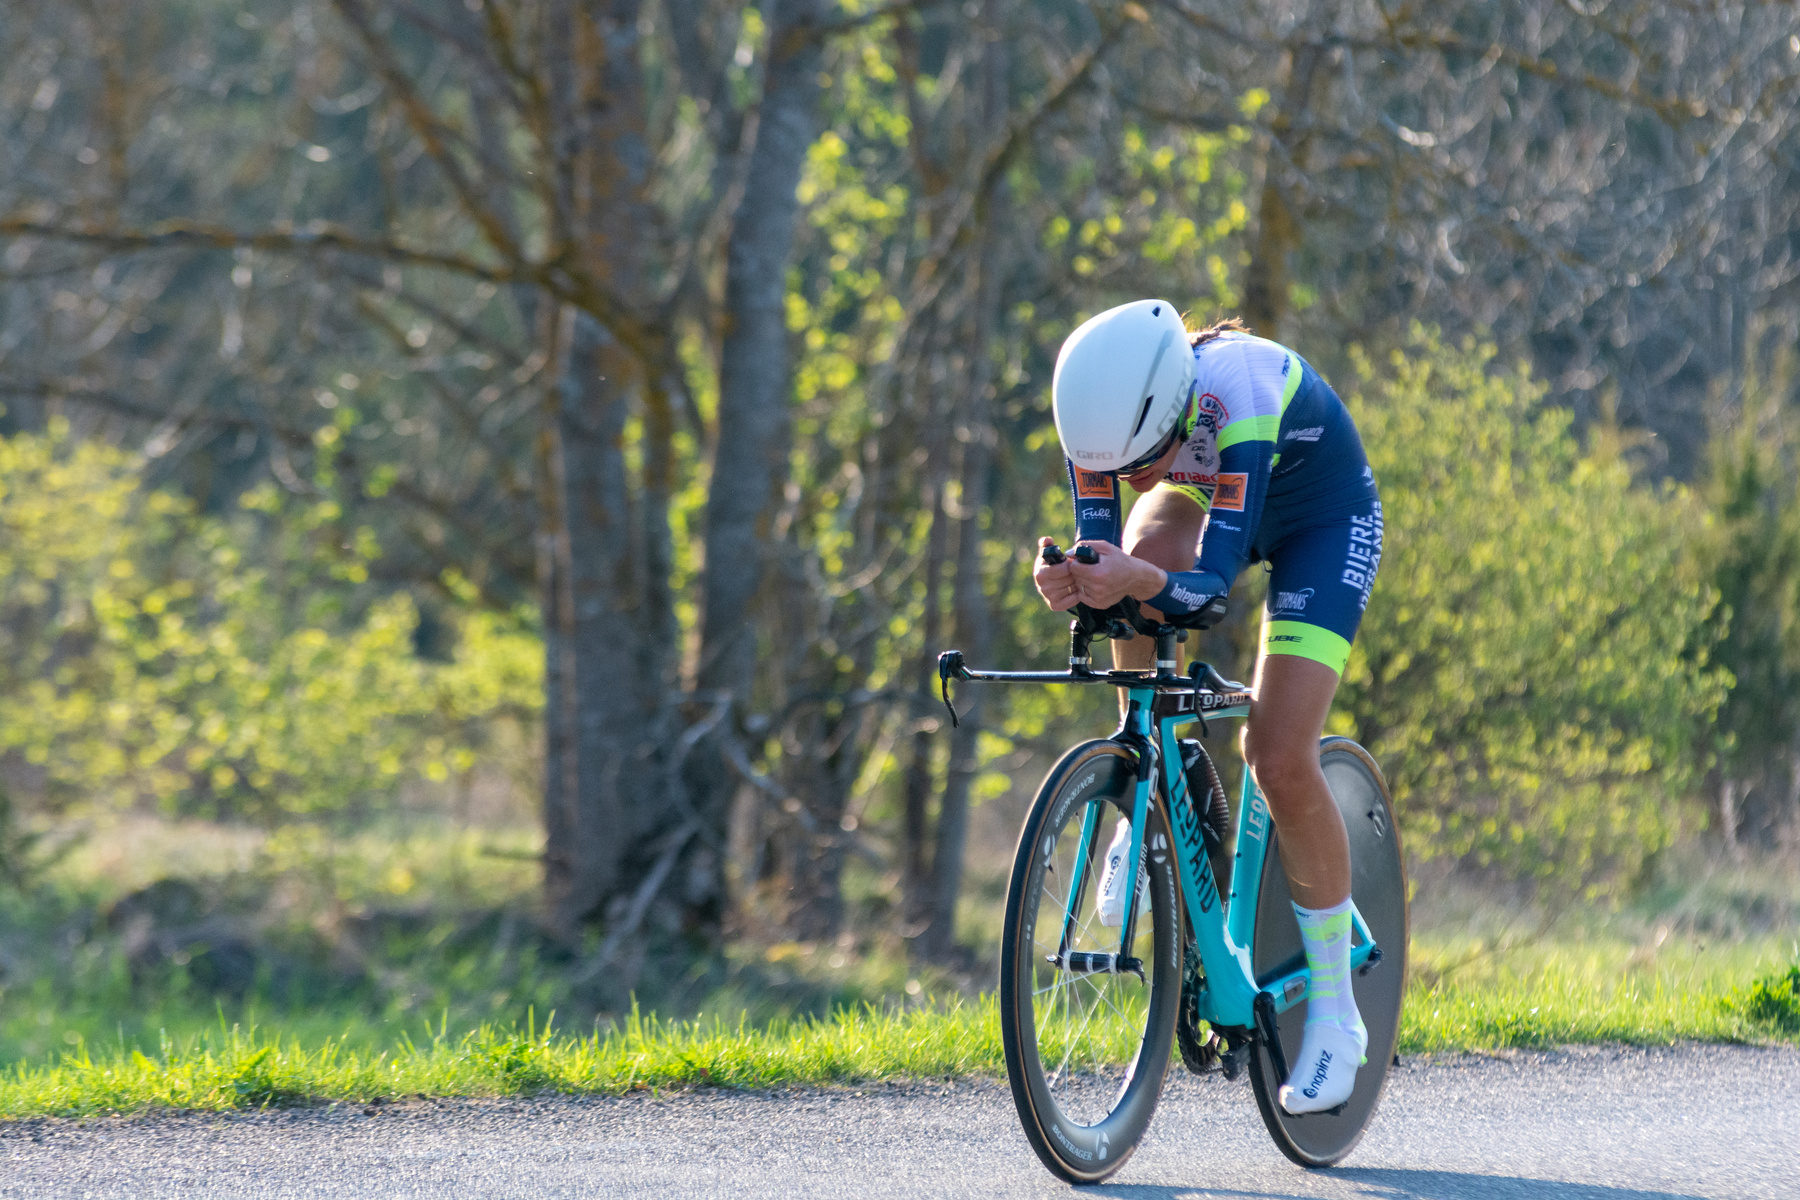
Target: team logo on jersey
1213	413
1228	493
1092	485
1189	479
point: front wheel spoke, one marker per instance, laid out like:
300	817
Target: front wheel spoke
1087	1022
1106	999
1068	1051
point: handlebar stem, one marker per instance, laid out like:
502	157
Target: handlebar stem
1166	662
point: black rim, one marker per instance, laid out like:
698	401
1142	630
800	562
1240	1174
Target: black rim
1086	1051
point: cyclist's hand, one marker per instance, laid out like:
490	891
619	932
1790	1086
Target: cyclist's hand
1116	576
1054	583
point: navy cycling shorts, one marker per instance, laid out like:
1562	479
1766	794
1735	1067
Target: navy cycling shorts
1319	581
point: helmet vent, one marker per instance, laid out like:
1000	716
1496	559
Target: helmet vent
1157	311
1142	414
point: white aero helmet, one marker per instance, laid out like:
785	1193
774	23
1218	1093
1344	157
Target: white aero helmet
1121	383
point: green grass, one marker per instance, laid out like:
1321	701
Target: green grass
1466	997
1460	999
1702	951
235	1069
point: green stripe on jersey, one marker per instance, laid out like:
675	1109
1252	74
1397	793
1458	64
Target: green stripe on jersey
1306	641
1292	384
1193	492
1250	429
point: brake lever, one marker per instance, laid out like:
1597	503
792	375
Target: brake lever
1204	675
950	664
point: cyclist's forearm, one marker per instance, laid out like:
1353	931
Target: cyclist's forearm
1097	509
1185	592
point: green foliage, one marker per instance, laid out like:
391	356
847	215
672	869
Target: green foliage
1773	1000
142	656
1753	556
25	853
1534	670
325	932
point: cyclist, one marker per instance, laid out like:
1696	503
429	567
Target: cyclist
1244	454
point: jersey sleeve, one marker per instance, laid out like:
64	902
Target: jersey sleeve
1250	387
1097	508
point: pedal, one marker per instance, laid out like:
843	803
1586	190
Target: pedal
1236	1056
1323	1112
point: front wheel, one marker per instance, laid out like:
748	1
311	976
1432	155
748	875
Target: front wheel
1087	1044
1378	886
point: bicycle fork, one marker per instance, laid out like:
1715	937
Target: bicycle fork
1134	734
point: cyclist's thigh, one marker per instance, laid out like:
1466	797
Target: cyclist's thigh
1164	528
1319	581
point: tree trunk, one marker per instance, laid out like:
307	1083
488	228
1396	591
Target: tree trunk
754	431
972	637
750	458
1728	818
977	435
1277	224
610	650
1790	833
1266	280
920	770
615	834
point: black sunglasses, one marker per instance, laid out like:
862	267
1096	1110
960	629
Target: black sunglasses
1161	449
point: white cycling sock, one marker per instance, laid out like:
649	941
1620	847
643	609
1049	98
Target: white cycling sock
1332	1048
1325	933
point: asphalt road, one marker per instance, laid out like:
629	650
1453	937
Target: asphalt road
1597	1124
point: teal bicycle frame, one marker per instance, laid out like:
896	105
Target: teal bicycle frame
1223	935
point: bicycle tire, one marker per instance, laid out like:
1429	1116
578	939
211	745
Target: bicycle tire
1378	885
1084	1117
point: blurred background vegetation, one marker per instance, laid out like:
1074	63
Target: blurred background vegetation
483	483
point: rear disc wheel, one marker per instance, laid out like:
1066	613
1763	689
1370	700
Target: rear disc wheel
1378	886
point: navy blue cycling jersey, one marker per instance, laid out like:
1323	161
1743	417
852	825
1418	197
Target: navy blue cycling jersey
1269	450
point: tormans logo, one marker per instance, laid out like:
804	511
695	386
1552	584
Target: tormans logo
1092	485
1228	493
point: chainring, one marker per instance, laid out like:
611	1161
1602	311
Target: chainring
1199	1055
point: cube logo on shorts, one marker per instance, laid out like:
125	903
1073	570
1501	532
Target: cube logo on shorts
1092	485
1228	493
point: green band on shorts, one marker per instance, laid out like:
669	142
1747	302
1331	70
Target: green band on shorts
1306	641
